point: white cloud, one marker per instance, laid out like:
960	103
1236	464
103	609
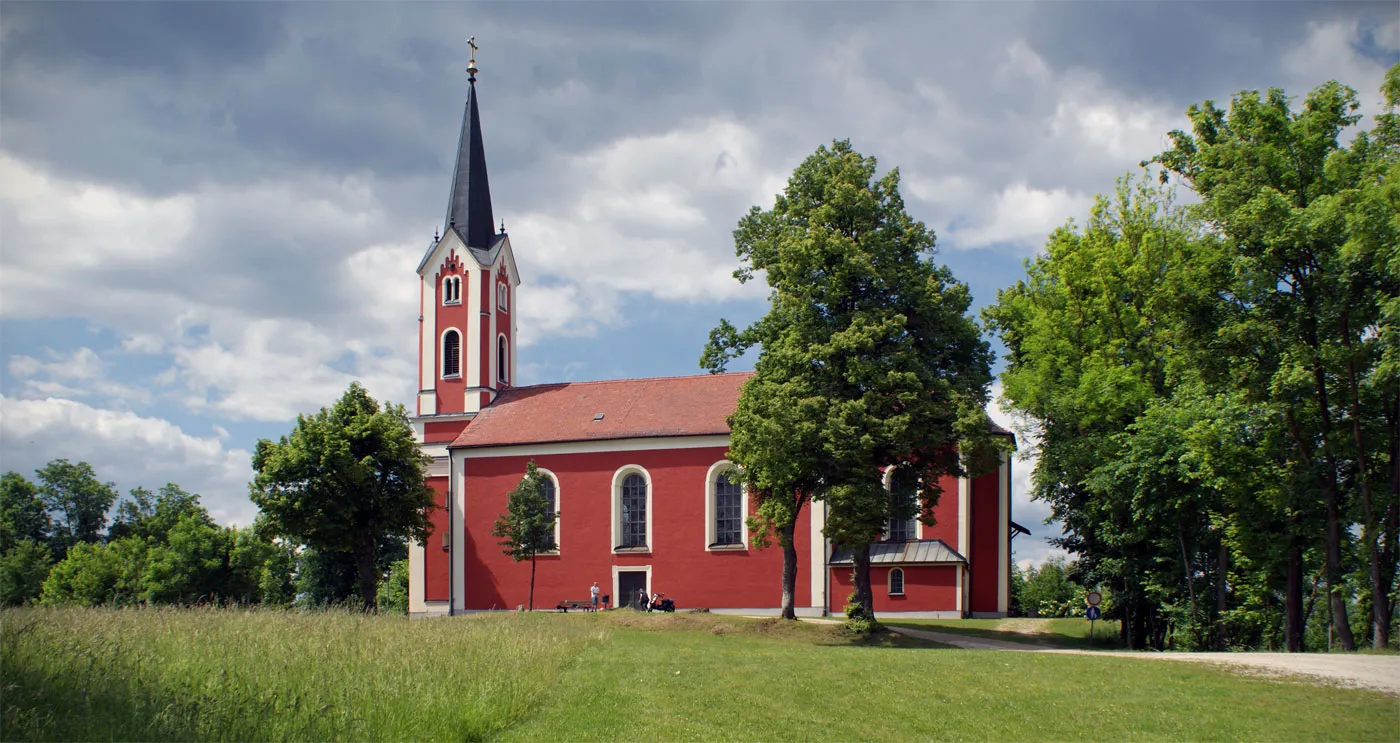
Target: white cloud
78	374
1024	216
1330	52
128	449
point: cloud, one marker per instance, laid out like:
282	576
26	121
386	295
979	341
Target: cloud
128	449
1024	216
78	374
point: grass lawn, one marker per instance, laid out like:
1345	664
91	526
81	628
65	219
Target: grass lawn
259	675
1070	632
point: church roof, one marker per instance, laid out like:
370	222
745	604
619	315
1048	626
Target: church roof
630	408
919	552
469	204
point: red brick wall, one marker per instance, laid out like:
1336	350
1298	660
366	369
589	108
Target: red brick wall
984	560
435	565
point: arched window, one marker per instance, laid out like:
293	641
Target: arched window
634	511
452	290
904	495
551	494
896	581
502	361
729	511
451	354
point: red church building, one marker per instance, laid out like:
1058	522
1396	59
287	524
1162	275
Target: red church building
636	469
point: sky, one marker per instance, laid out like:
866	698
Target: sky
210	214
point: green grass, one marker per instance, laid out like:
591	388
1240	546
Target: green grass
98	674
1053	633
197	675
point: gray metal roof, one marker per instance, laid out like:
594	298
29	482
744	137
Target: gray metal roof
469	206
921	552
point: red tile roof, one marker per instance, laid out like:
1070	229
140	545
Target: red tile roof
632	408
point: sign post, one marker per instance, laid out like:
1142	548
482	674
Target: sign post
1092	598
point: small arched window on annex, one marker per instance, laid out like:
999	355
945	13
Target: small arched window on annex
502	359
452	290
503	296
726	505
896	581
551	494
631	509
451	354
902	482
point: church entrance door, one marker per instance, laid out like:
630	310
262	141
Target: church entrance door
631	586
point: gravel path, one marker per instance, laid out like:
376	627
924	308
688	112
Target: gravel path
1379	672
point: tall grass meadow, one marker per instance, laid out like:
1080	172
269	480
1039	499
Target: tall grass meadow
261	674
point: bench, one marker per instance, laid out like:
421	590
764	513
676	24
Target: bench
582	605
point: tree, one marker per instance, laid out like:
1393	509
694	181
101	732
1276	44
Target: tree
189	565
394	597
1313	233
23	568
868	359
23	515
527	526
1105	326
149	516
348	478
79	498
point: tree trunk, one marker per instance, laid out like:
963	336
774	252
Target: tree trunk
531	601
864	596
1369	532
1222	567
1293	602
1186	566
785	538
364	566
1336	600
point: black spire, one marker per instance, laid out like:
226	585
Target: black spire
469	206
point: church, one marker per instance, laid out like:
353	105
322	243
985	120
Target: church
635	469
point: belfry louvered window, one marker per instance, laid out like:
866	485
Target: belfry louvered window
634	511
451	354
729	511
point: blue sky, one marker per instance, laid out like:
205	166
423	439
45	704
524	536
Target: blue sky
210	213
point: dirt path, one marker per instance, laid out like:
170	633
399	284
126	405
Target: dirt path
1380	672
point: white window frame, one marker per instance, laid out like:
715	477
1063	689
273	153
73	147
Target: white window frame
452	285
502	359
717	469
503	296
442	354
888	477
889	582
554	479
618	476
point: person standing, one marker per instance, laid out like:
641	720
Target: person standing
593	593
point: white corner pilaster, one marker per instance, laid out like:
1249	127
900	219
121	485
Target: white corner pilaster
457	485
818	552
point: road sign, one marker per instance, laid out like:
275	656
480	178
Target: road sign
1093	613
1093	598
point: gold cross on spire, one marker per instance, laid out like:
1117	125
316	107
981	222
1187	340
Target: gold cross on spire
471	65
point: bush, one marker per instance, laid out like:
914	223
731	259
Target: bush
857	619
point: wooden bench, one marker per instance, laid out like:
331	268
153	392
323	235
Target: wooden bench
583	605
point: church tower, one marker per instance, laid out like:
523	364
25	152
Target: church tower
468	280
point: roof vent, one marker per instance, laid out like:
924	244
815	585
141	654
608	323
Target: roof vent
597	416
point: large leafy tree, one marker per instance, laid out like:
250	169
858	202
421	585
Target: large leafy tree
347	479
1096	334
1313	232
152	515
78	498
527	527
23	516
868	359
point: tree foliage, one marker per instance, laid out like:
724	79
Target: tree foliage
346	479
868	359
527	527
1209	389
80	501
